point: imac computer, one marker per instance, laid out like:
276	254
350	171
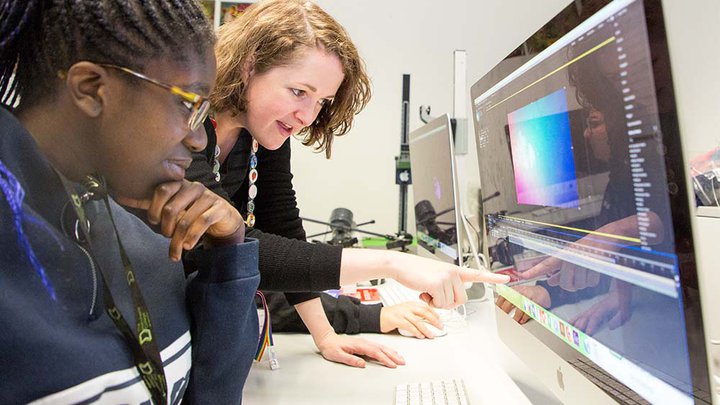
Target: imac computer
593	215
437	214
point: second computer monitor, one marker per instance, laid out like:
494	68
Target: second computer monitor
582	145
434	191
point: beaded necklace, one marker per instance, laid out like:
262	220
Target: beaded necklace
266	340
252	176
252	188
216	157
216	163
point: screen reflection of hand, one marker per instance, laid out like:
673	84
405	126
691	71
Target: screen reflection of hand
614	309
535	293
566	275
571	277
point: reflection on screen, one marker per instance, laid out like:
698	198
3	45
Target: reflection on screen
572	142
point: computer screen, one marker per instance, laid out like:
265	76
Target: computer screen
592	217
434	190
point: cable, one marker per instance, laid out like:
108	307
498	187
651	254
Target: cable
479	260
266	339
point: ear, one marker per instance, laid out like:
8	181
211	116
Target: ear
248	69
87	83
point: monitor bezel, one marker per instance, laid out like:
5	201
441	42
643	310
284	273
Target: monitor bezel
675	168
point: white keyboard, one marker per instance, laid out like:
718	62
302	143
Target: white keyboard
392	293
450	392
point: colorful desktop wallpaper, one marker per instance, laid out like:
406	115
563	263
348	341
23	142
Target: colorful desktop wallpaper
542	152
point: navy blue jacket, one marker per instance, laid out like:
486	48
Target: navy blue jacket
57	343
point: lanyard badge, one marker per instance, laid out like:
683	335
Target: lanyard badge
143	345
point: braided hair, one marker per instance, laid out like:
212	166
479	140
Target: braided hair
39	38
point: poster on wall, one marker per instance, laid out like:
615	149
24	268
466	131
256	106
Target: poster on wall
221	12
231	10
209	9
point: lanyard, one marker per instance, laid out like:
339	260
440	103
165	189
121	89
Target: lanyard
143	345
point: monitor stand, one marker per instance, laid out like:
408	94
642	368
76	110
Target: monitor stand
476	291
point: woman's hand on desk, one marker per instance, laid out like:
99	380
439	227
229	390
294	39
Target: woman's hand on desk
346	349
410	316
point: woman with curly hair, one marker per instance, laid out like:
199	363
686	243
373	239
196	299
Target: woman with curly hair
287	68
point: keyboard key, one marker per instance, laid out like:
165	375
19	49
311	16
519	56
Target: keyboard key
446	392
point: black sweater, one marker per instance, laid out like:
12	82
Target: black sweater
278	227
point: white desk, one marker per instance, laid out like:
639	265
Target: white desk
472	352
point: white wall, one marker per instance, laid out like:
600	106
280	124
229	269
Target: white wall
415	37
693	31
418	37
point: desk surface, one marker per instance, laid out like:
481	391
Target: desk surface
471	351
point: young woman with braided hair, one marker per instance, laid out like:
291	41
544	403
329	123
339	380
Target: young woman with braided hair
104	100
109	98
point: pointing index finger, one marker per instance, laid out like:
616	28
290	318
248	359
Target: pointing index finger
475	276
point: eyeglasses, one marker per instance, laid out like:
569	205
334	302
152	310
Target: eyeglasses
198	105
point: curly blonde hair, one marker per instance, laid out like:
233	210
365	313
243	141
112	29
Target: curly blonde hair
274	33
